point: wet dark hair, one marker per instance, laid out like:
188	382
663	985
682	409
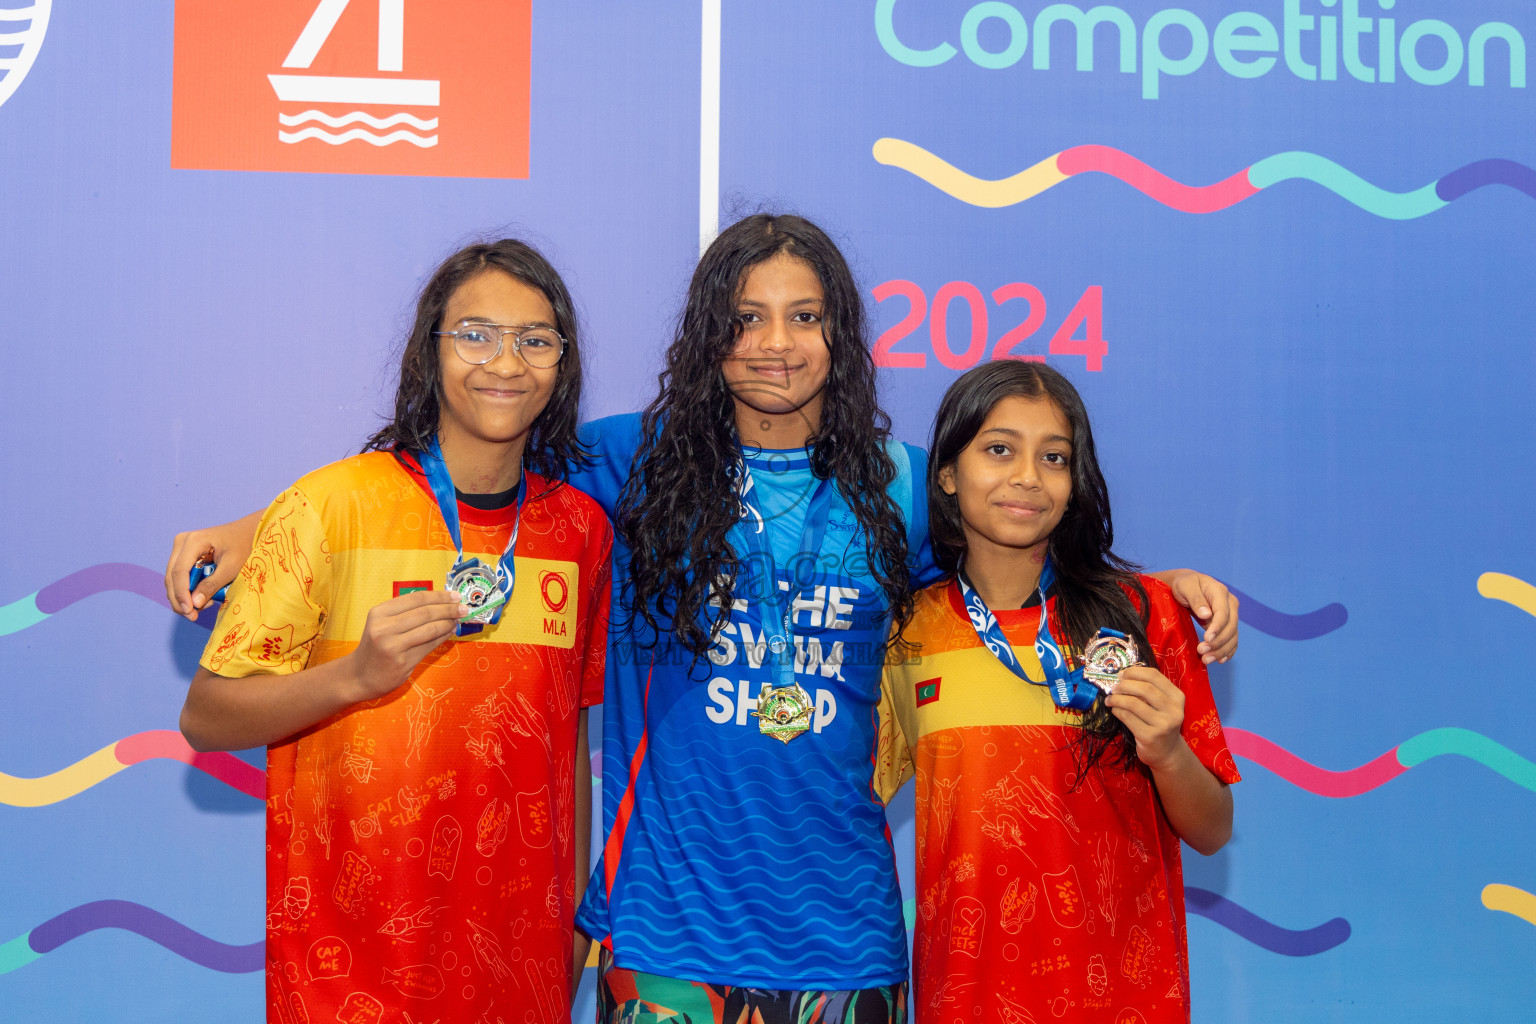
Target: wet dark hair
679	503
552	443
1091	580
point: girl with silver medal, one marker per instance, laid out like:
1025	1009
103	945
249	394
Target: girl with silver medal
1110	768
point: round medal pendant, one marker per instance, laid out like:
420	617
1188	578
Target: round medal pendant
1105	657
477	587
784	712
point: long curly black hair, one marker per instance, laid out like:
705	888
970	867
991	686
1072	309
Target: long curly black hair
1091	580
679	504
552	445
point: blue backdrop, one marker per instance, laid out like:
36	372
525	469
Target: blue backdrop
1285	253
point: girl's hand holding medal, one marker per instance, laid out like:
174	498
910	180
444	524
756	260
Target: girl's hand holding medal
1152	708
397	635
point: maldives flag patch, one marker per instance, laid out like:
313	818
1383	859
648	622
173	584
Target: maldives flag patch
411	586
928	691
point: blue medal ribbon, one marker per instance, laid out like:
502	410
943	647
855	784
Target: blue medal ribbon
1068	687
773	608
438	479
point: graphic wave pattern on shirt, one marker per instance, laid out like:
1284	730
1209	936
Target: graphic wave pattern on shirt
420	845
1037	897
737	858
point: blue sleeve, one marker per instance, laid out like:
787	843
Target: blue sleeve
922	569
613	442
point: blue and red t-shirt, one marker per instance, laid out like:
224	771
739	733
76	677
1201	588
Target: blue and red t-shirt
731	856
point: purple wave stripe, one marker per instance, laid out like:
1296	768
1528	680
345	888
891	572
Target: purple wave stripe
1248	925
1308	626
154	926
77	586
97	579
1486	172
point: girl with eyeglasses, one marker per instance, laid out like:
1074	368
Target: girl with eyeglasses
415	636
769	534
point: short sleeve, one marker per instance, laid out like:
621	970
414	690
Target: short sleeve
612	443
1172	635
599	597
893	758
275	609
922	569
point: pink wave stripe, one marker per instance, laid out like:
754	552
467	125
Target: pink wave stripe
1154	183
164	743
1309	776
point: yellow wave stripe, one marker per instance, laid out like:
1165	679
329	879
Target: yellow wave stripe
1509	589
62	784
968	188
1511	901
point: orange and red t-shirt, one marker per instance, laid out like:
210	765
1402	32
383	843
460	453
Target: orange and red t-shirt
1037	899
420	847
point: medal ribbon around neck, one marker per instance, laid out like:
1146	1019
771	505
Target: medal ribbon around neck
493	591
773	609
1068	687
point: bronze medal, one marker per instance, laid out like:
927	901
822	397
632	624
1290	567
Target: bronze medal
1106	657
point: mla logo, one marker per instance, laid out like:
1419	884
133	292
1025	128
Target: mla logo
352	87
554	590
21	33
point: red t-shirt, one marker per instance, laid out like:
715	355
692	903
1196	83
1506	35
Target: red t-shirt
1036	900
420	847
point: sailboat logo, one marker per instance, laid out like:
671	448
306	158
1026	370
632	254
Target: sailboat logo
297	88
21	30
352	87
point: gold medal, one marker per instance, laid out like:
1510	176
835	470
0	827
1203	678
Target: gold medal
784	712
1106	657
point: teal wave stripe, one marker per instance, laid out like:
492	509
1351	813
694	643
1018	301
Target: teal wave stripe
1472	745
1345	184
20	615
17	953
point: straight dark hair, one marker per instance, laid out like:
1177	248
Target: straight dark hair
552	444
1094	586
679	504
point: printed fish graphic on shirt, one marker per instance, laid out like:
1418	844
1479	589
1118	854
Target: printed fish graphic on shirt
421	981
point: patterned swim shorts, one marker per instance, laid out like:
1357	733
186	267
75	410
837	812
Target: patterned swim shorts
631	997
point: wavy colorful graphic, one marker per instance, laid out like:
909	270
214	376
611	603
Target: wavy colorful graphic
1237	919
1381	770
1285	626
1055	169
1248	925
77	586
136	918
136	579
126	752
1510	589
1510	900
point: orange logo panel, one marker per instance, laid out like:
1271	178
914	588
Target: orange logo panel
434	88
